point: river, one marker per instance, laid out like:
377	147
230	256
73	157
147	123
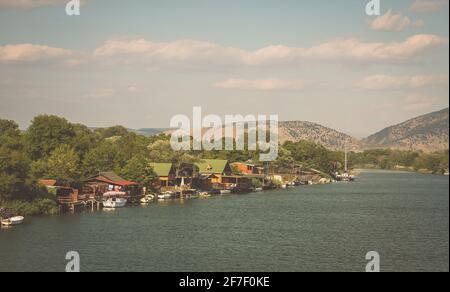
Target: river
402	216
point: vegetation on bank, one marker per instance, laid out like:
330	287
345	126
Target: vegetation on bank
435	163
54	148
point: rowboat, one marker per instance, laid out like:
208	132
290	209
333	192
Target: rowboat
17	220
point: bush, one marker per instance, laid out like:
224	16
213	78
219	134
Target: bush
36	207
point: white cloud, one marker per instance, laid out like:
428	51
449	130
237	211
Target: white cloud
191	52
29	53
391	21
30	4
381	81
184	51
428	5
263	84
27	4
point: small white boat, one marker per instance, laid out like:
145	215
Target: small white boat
166	196
147	199
258	190
225	192
113	203
205	195
17	220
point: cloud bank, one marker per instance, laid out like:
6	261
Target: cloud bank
428	5
28	4
263	84
336	50
192	52
391	21
379	82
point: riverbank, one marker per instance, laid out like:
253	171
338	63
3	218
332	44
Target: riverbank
34	208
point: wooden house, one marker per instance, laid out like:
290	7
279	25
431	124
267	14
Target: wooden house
109	181
166	175
248	169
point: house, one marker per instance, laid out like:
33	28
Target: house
63	194
214	169
166	174
248	169
109	181
217	174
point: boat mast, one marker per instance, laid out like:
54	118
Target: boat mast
346	158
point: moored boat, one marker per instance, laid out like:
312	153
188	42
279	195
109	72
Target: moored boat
113	203
147	199
166	196
17	220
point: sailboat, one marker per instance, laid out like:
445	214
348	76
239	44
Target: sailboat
345	176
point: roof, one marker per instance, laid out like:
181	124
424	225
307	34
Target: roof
48	182
162	169
212	166
111	178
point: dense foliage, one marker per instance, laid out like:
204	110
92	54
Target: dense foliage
396	159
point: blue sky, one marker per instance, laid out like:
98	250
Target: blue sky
138	63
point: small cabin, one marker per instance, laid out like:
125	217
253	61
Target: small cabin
166	174
109	181
248	169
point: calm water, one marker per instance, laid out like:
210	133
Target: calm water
403	216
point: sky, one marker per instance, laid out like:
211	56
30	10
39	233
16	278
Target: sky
138	63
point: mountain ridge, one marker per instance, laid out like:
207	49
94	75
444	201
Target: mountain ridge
428	133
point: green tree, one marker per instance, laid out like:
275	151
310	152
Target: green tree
14	163
63	165
138	169
46	133
101	158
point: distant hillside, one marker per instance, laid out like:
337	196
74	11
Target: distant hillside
428	133
331	139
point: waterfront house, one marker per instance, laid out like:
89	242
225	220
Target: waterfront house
248	168
218	174
109	181
215	169
166	175
63	194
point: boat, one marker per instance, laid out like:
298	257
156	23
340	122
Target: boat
17	220
204	195
113	203
147	199
258	190
346	176
225	192
166	196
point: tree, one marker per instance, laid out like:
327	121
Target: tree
63	165
14	168
84	140
138	169
115	131
46	133
100	158
14	164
